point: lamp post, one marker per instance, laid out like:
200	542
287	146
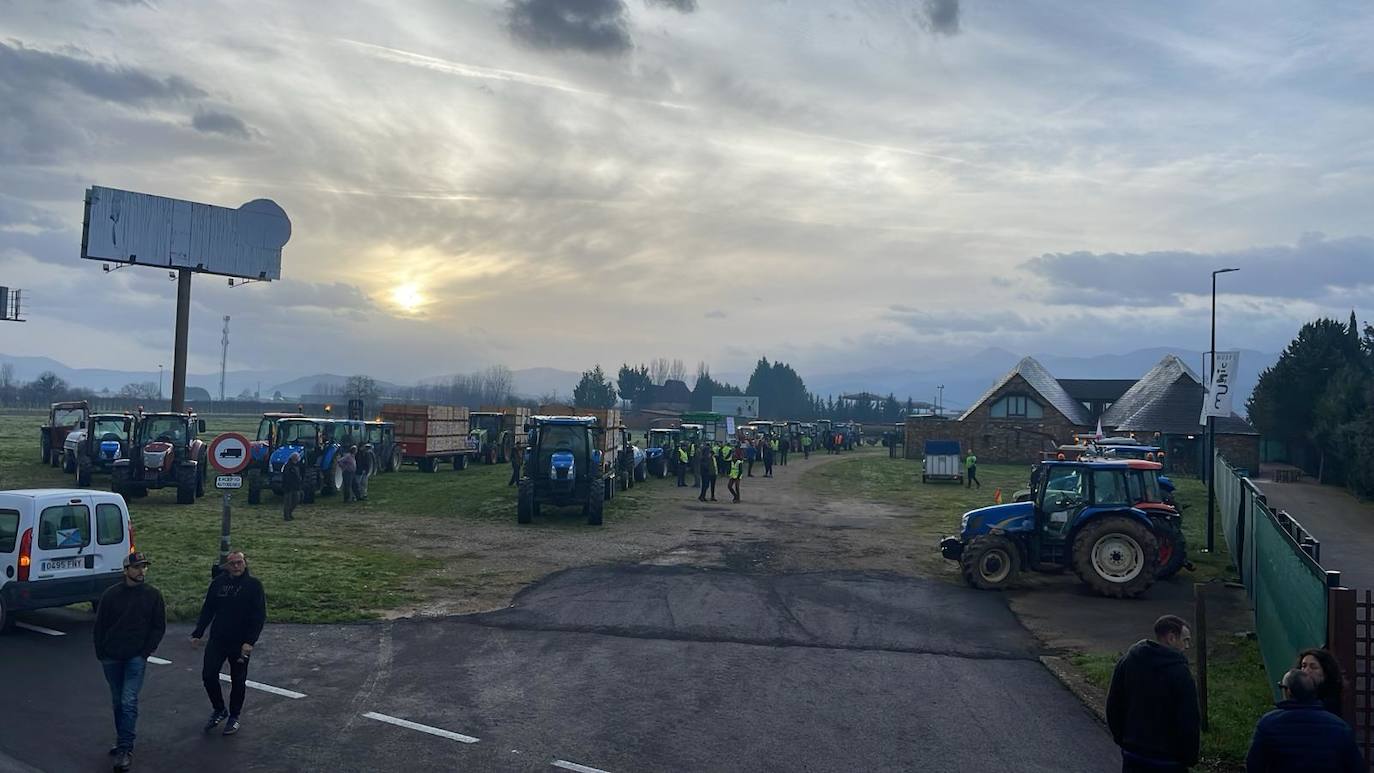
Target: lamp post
159	382
940	401
1212	422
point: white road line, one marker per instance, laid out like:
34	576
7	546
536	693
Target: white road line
564	764
39	629
422	728
157	661
266	688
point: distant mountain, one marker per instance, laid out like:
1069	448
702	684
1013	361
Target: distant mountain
531	382
310	385
235	381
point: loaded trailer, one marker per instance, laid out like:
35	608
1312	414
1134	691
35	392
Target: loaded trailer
430	435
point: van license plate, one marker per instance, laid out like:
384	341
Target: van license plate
63	564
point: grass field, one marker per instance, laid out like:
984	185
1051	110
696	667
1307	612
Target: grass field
334	563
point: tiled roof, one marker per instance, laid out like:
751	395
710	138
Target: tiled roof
1168	400
1045	385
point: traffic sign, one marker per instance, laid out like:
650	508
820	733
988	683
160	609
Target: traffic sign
228	481
230	453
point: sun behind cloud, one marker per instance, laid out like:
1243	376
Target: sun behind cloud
408	298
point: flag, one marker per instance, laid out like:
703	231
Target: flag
1098	435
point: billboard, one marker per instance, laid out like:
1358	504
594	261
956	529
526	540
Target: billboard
139	228
746	407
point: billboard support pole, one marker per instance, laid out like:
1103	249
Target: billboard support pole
183	328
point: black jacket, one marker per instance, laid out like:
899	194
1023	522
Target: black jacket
130	622
291	478
1152	704
238	607
1303	737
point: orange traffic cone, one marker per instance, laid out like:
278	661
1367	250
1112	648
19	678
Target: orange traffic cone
997	497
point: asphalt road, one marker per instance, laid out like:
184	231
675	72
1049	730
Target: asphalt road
633	668
1338	520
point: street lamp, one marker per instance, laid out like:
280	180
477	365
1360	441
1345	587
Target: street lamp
1212	423
159	382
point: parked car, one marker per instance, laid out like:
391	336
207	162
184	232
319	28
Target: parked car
60	547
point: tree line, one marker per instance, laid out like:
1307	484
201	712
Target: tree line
1318	400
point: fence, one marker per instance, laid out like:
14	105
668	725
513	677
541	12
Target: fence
1297	603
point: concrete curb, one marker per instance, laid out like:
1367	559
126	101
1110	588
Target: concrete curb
1093	698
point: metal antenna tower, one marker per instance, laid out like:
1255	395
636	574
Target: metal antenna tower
223	356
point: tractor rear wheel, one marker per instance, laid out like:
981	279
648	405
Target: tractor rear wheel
642	473
1116	556
596	504
254	487
333	479
186	485
524	503
1173	550
83	472
460	462
395	461
990	562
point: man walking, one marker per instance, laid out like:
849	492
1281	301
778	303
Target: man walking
706	463
348	464
682	465
806	446
1152	703
971	469
237	607
290	487
784	445
367	463
129	623
1301	735
768	457
749	453
517	458
736	473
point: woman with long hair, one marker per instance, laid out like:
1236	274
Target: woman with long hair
1325	672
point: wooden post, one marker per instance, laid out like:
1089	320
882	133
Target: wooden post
1200	621
1340	638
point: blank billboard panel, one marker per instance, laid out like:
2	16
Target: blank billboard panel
127	227
743	407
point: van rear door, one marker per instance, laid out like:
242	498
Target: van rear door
62	549
111	538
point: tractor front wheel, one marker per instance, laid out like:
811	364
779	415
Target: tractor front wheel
83	472
460	462
395	461
186	485
990	562
1116	556
596	504
524	504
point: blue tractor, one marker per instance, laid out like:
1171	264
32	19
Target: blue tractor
563	467
1080	515
661	450
311	438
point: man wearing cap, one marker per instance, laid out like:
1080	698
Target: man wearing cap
237	606
129	623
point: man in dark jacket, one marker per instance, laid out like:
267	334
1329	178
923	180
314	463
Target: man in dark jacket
238	607
129	623
1152	703
1301	735
290	487
367	464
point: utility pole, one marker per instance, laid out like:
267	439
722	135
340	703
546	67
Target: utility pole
1211	461
940	401
182	336
223	356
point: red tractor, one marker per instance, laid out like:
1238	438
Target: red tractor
165	451
62	419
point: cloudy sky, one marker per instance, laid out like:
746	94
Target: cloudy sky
837	183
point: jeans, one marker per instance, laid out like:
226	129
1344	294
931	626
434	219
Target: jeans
289	500
514	475
216	652
708	482
350	490
125	678
360	485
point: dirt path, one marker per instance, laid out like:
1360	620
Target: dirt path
1343	524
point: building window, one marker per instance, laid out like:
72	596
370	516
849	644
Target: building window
1106	406
1016	407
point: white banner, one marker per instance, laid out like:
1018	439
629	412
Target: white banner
1223	372
730	427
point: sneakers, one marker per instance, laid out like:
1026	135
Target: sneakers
123	760
216	717
232	726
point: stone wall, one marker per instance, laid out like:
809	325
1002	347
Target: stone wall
996	441
1241	451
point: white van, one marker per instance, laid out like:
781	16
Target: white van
59	547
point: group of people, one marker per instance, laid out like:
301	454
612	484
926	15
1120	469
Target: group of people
707	461
131	621
1152	710
357	465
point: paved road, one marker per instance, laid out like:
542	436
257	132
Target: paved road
1337	519
633	668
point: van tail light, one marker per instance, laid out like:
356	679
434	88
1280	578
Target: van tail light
132	549
25	554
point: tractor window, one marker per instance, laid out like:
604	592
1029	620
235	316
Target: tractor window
298	433
265	429
169	429
1109	488
68	417
109	429
1064	483
554	438
1144	486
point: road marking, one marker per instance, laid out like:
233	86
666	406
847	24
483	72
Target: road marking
39	629
158	661
422	728
564	764
266	687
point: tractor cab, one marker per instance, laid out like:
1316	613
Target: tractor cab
63	418
381	435
95	446
660	451
563	467
165	450
1080	515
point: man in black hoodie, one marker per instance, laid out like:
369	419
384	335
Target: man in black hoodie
129	623
1152	703
238	607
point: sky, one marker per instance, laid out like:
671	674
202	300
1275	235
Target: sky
839	184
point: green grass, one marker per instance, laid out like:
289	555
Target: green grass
1238	694
334	563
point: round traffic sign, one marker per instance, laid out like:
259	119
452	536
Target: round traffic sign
229	453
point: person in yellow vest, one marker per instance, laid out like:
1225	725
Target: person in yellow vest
806	446
692	461
723	451
682	462
736	472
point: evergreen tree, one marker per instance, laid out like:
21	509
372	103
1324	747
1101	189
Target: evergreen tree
634	383
594	390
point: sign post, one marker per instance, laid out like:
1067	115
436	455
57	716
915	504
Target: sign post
229	454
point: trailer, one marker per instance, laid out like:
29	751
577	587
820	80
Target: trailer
942	462
430	435
499	432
